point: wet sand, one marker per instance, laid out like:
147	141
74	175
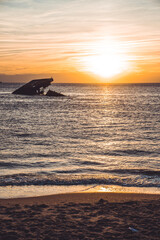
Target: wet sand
81	216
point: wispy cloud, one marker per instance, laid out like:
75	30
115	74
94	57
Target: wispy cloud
57	32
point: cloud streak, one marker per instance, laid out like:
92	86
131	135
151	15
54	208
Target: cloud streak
59	32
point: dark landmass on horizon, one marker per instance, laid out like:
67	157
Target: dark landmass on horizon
78	78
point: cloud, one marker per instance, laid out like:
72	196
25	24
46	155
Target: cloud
51	30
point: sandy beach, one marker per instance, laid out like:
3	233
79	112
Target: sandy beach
81	216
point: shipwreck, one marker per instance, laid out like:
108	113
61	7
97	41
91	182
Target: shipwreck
37	87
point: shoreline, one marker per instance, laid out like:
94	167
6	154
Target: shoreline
11	192
83	197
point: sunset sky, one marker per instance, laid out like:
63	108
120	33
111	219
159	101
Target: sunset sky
80	40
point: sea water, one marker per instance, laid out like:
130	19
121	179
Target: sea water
97	135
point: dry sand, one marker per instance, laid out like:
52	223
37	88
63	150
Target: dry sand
81	216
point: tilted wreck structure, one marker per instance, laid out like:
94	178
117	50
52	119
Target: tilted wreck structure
37	87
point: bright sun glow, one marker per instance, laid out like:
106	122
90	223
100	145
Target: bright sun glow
107	59
106	65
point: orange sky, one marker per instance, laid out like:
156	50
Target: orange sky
80	41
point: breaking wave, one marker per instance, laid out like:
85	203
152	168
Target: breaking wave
42	179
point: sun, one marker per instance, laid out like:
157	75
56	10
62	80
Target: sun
106	65
106	60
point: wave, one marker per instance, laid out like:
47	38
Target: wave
146	172
43	179
130	152
135	172
11	165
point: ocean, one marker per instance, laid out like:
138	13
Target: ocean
97	135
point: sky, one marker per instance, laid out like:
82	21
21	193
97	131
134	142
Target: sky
80	40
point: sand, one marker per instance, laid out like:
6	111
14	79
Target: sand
81	216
